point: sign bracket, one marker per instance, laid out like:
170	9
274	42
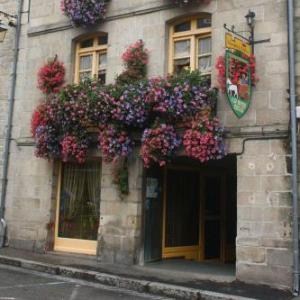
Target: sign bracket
249	40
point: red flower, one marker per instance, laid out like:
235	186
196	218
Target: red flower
38	118
51	77
236	69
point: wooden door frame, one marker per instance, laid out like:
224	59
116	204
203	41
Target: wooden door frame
67	244
196	252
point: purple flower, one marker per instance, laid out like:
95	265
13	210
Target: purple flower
84	12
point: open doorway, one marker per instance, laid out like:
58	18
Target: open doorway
190	211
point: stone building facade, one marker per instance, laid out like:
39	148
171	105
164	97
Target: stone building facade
258	141
6	61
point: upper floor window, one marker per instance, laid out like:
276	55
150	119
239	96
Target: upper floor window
190	45
91	58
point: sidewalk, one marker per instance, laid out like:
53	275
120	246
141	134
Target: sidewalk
141	279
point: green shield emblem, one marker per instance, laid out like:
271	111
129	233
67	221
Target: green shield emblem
238	82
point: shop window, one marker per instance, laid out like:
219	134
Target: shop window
78	207
191	45
91	58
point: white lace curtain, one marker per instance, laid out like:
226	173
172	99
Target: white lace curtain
76	180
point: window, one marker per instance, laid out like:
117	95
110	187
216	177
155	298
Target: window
91	58
78	207
190	45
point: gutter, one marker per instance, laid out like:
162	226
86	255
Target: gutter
11	102
292	75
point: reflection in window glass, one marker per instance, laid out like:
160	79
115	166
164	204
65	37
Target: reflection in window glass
204	46
84	76
86	62
102	61
181	64
185	26
204	23
87	43
205	64
102	40
102	67
204	55
182	48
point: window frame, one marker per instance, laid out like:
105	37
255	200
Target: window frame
95	51
194	34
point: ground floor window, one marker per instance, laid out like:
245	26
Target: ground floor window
78	207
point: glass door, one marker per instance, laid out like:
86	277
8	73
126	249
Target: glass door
78	208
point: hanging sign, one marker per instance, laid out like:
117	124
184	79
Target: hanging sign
238	76
238	44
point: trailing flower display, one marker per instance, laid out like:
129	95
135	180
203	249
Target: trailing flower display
204	140
136	56
135	60
73	147
127	105
159	144
84	12
143	112
180	97
51	76
114	142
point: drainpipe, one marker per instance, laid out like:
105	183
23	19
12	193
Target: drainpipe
292	87
9	125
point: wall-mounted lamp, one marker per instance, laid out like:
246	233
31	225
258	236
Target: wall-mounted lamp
250	17
3	30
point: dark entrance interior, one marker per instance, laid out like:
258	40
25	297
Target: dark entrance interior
190	211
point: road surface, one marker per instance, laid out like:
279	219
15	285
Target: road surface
19	284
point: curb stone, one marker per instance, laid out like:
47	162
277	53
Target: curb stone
143	286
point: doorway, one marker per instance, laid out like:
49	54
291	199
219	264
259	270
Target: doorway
78	208
191	211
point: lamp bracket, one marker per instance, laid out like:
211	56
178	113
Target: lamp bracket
248	40
261	41
232	30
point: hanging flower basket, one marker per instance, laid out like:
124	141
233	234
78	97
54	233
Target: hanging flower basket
51	76
114	143
135	60
204	140
84	12
159	144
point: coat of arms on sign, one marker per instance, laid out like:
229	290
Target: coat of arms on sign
238	74
238	82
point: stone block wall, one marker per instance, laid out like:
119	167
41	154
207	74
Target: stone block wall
264	214
6	65
121	216
264	205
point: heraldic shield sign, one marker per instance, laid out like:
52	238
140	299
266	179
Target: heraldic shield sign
238	76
